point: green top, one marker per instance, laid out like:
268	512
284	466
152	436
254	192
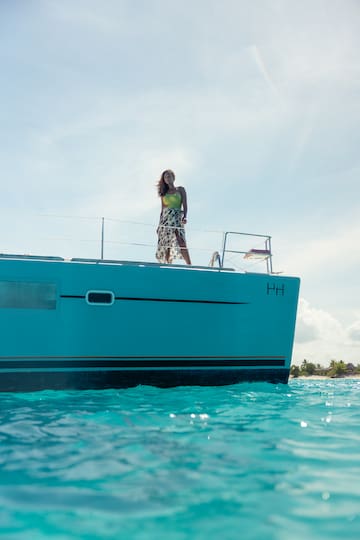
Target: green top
172	200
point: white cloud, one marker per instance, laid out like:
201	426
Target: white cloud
320	337
316	324
354	331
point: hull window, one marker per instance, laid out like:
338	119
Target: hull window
100	298
27	295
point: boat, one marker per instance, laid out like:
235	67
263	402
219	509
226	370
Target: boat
87	323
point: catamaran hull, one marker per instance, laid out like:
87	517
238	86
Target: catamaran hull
94	324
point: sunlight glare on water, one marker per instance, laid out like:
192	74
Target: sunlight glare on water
251	461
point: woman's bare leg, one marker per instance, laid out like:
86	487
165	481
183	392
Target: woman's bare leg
183	248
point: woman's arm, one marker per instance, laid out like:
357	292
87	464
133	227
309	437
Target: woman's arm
162	207
184	201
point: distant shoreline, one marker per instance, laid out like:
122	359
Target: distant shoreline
319	377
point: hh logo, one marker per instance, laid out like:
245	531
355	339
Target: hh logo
277	290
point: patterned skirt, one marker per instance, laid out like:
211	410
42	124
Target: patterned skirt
170	228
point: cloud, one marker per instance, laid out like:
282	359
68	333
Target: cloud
320	337
354	331
305	331
260	62
316	324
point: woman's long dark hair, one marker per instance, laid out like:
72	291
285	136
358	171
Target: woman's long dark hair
162	186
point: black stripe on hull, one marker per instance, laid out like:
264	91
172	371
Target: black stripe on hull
87	380
175	300
190	362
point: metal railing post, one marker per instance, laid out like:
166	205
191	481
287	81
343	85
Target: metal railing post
102	237
269	260
223	250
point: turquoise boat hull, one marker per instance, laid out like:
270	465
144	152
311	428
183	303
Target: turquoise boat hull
111	324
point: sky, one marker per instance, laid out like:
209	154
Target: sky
255	106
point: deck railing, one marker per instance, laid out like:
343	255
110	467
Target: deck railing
262	253
108	238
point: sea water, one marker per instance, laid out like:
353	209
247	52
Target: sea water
249	461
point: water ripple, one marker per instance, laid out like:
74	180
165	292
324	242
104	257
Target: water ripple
183	462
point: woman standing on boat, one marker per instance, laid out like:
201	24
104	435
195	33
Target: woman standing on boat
171	232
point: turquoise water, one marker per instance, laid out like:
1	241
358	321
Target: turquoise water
250	461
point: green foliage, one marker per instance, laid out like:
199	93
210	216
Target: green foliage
294	371
335	369
307	368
